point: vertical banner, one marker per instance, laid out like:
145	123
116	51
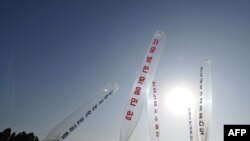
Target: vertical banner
141	86
152	107
78	117
205	101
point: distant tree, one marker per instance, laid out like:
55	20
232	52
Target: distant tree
6	135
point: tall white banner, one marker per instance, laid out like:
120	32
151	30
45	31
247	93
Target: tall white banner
78	117
141	86
205	101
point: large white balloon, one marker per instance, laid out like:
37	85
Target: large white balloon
141	86
78	117
204	109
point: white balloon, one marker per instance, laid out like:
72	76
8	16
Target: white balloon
78	117
141	86
204	109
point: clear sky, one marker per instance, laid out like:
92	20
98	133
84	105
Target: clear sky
55	54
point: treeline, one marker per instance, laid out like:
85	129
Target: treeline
6	135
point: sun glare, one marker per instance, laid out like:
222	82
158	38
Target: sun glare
178	100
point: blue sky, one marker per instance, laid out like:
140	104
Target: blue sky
54	55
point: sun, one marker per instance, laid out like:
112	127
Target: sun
178	100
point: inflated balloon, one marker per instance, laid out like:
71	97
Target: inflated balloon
79	117
205	101
142	86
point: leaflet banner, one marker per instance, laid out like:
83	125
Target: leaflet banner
205	101
152	107
141	86
77	118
